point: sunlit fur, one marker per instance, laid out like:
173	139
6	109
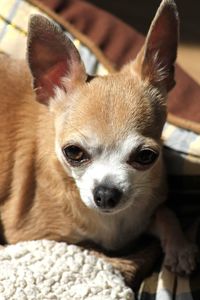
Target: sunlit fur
110	126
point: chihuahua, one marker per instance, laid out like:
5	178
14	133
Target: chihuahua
84	161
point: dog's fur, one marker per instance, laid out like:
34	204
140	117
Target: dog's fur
44	196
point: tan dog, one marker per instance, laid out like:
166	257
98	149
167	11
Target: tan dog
86	162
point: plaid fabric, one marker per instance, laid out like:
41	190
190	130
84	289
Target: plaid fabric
14	16
182	151
163	285
182	146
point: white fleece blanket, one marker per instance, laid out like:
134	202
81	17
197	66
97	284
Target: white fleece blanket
41	270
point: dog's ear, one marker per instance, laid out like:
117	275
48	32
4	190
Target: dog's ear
155	62
53	59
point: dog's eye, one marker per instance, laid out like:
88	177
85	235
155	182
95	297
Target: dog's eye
75	155
146	156
143	158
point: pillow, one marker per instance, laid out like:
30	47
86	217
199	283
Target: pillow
51	270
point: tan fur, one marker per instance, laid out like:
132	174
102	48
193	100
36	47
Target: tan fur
26	169
105	97
35	194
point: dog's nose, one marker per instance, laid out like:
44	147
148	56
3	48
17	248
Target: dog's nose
106	197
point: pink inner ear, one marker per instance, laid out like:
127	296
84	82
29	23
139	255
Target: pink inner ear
161	47
52	78
45	84
55	74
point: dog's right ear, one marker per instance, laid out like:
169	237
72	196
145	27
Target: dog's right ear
155	62
53	59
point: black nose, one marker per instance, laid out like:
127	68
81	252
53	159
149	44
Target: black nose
106	197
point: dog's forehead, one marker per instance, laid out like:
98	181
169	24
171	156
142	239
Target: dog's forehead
99	144
113	108
114	103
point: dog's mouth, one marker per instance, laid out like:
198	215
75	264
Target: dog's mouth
115	210
107	211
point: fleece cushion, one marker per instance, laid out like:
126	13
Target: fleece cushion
50	270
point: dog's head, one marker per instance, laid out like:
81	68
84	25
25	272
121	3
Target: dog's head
107	130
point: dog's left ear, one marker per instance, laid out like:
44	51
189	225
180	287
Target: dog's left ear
53	59
155	62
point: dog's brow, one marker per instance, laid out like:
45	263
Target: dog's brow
132	141
87	141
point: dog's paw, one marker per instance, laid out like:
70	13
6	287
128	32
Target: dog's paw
181	259
127	267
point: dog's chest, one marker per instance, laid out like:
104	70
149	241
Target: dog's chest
114	232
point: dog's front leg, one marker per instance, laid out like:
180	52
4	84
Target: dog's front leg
133	267
180	254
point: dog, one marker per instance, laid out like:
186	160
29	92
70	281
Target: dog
84	161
